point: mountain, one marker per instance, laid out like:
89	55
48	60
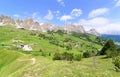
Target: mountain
30	24
93	31
27	24
116	38
74	28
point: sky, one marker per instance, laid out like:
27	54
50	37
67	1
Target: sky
102	15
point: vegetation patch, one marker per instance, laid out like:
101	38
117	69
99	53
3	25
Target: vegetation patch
67	56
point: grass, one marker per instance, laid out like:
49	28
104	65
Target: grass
18	63
44	67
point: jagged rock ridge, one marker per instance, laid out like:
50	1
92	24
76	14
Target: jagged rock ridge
29	24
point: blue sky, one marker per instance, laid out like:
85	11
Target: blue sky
103	15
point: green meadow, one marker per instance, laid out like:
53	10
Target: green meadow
14	62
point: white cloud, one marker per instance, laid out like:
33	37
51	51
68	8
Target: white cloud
76	12
98	21
65	18
117	3
102	25
49	16
36	17
57	12
61	2
34	14
16	15
113	27
98	12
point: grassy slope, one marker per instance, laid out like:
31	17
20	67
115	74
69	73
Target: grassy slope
44	67
16	64
8	33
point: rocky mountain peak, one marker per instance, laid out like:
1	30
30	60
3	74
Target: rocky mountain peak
28	20
93	31
74	28
6	20
46	26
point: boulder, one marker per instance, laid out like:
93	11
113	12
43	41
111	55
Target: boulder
27	48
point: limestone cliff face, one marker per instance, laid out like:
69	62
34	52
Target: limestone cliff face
74	28
46	26
6	20
27	24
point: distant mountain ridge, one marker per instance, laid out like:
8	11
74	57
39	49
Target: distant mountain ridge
115	38
29	24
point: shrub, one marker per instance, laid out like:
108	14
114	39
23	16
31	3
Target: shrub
87	54
57	56
50	32
54	41
61	45
118	51
78	57
60	32
109	46
2	44
63	56
111	54
116	62
22	28
49	54
43	54
42	36
32	33
69	47
40	50
36	53
67	56
68	40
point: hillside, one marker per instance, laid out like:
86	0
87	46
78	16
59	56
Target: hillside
16	62
45	41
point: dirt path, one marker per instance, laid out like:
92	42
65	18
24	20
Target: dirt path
32	59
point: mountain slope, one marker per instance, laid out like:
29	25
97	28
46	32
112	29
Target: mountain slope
15	62
10	33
